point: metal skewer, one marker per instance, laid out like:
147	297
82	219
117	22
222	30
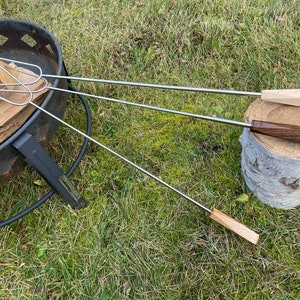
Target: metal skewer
214	214
283	131
278	130
25	87
283	96
160	86
127	83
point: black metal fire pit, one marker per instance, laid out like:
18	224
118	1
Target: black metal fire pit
28	42
25	41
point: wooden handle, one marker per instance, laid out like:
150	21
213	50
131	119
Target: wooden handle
279	130
288	97
234	226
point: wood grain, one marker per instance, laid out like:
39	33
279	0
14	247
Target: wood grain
287	132
276	113
12	117
287	96
6	75
271	166
234	226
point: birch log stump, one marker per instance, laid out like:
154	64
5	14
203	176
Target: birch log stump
271	166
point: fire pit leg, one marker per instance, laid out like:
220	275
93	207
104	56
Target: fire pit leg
39	159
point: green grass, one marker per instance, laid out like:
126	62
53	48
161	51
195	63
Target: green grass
137	239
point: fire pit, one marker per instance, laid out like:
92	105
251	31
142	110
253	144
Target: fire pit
31	43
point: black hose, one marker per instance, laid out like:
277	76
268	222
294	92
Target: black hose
68	173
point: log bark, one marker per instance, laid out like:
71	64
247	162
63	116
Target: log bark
271	166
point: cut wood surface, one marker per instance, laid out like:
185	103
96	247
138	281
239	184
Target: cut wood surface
271	166
12	117
277	113
7	75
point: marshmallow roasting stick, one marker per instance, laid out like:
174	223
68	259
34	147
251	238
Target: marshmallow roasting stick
288	132
213	213
216	215
283	96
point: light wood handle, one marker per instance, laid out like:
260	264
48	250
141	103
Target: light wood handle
288	97
234	226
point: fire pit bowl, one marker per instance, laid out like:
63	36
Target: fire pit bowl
25	41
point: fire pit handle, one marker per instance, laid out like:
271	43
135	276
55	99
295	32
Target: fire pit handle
35	155
68	173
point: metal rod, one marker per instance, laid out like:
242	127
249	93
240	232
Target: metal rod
162	109
123	158
128	83
158	86
214	214
284	131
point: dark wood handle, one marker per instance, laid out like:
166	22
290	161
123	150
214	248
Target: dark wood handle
279	130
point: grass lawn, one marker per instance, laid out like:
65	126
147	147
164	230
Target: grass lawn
138	239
